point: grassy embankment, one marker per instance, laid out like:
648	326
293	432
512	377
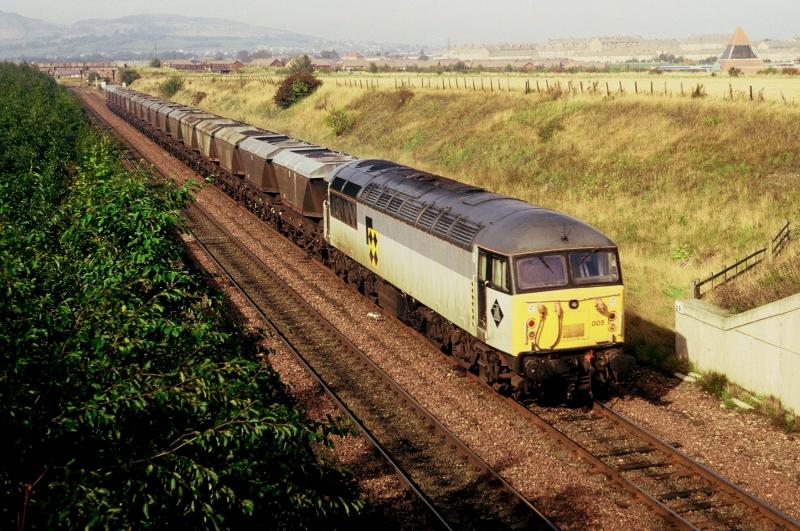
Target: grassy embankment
683	185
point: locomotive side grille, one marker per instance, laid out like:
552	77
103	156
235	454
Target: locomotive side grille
371	194
383	200
463	232
397	201
410	211
427	218
443	225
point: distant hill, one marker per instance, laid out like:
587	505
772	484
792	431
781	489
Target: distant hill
29	38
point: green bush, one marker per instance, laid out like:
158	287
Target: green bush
294	88
128	399
340	121
128	75
170	86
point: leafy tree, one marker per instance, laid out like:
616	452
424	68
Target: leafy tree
128	399
373	68
294	88
155	62
301	65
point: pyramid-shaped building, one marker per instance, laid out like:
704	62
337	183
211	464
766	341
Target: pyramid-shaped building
740	54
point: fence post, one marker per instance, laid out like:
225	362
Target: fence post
636	87
651	88
751	92
581	87
538	90
620	88
696	288
608	90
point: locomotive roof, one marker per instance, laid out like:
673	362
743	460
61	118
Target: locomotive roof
462	214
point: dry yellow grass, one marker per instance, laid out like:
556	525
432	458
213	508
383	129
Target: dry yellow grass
683	185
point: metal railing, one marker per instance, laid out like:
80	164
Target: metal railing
773	248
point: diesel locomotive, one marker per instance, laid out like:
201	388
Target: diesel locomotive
530	299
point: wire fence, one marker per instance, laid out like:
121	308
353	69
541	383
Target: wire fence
777	89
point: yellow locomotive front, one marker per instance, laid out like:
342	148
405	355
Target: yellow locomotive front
556	312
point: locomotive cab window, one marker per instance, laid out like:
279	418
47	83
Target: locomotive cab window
494	269
541	271
594	267
343	209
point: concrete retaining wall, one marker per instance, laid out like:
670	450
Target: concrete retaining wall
758	350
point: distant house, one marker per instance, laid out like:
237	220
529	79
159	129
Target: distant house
354	65
325	65
222	67
273	62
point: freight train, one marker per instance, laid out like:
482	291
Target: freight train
530	299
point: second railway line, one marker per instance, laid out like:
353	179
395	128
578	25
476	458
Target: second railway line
681	495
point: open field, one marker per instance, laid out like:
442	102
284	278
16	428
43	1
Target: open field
782	88
683	185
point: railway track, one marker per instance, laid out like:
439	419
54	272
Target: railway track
454	484
683	492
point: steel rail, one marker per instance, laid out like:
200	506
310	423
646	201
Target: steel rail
410	483
449	438
775	516
404	478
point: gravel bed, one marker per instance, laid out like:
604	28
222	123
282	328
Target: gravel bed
560	485
741	446
388	501
554	480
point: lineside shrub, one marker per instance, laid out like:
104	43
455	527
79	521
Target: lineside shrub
340	121
170	86
294	88
128	399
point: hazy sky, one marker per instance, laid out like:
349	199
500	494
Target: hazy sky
434	21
